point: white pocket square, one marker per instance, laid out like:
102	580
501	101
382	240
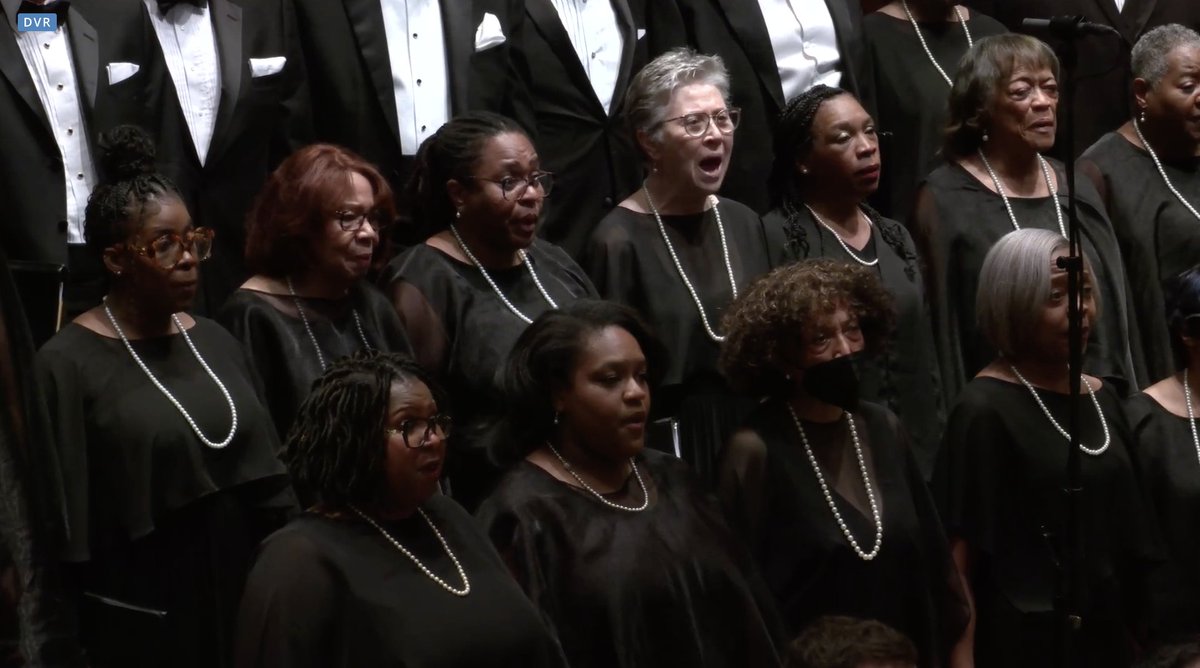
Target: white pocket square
641	32
262	67
118	72
489	33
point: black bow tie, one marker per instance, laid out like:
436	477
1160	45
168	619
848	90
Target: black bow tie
165	6
58	7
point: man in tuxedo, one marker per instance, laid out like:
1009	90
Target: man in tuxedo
228	87
60	90
584	53
1104	90
774	50
386	74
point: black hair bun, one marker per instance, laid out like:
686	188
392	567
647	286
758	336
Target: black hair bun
126	152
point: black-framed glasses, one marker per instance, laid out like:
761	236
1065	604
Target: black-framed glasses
514	187
167	249
696	125
416	431
352	221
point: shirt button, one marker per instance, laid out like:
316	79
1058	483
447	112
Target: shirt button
60	86
47	45
418	82
414	35
79	176
70	131
422	128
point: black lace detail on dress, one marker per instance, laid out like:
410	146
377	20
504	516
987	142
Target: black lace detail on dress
893	235
795	238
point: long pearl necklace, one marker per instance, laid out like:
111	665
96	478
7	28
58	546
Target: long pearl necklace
1187	395
570	469
167	393
845	246
1004	196
466	588
495	288
961	21
862	467
308	328
1095	402
1162	172
662	229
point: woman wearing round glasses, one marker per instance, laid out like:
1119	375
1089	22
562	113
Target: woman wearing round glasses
166	452
383	570
481	276
675	251
313	234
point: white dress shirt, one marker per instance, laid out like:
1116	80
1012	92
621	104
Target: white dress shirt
805	43
420	78
1120	5
189	46
592	27
48	57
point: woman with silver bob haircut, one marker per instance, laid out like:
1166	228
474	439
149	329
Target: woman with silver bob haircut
1145	172
1004	466
674	250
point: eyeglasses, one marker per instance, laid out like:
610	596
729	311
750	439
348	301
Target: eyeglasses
696	125
514	187
167	249
352	221
416	431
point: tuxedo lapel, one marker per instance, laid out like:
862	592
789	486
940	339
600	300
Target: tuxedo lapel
629	30
548	23
12	66
366	20
1137	15
745	18
227	24
1115	18
85	48
459	36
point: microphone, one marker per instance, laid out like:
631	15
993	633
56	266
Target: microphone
1067	27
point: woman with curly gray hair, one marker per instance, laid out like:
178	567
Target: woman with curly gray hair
823	486
827	163
676	252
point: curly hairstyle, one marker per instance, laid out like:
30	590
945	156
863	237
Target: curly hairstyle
449	153
1181	297
846	642
982	74
543	360
128	191
762	327
336	447
793	140
291	211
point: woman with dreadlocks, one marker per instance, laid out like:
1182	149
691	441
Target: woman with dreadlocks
826	165
167	455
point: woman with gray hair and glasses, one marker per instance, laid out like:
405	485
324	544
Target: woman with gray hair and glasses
1003	471
676	252
1148	175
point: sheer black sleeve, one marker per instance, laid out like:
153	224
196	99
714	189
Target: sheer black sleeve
741	486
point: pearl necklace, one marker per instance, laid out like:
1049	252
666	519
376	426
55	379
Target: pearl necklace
845	246
495	288
662	229
308	328
1187	395
1095	402
598	495
1049	186
167	393
466	588
961	21
862	467
1162	172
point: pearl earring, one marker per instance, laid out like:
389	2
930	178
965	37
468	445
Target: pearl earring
457	214
556	416
985	135
1142	116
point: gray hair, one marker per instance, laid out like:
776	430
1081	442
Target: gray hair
1149	56
982	73
650	92
1014	284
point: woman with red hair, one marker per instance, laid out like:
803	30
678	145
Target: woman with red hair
311	237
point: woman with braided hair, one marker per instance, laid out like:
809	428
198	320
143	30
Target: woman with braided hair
167	454
826	165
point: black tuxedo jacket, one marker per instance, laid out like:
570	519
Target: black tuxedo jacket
590	151
350	76
33	198
259	121
1105	97
736	31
